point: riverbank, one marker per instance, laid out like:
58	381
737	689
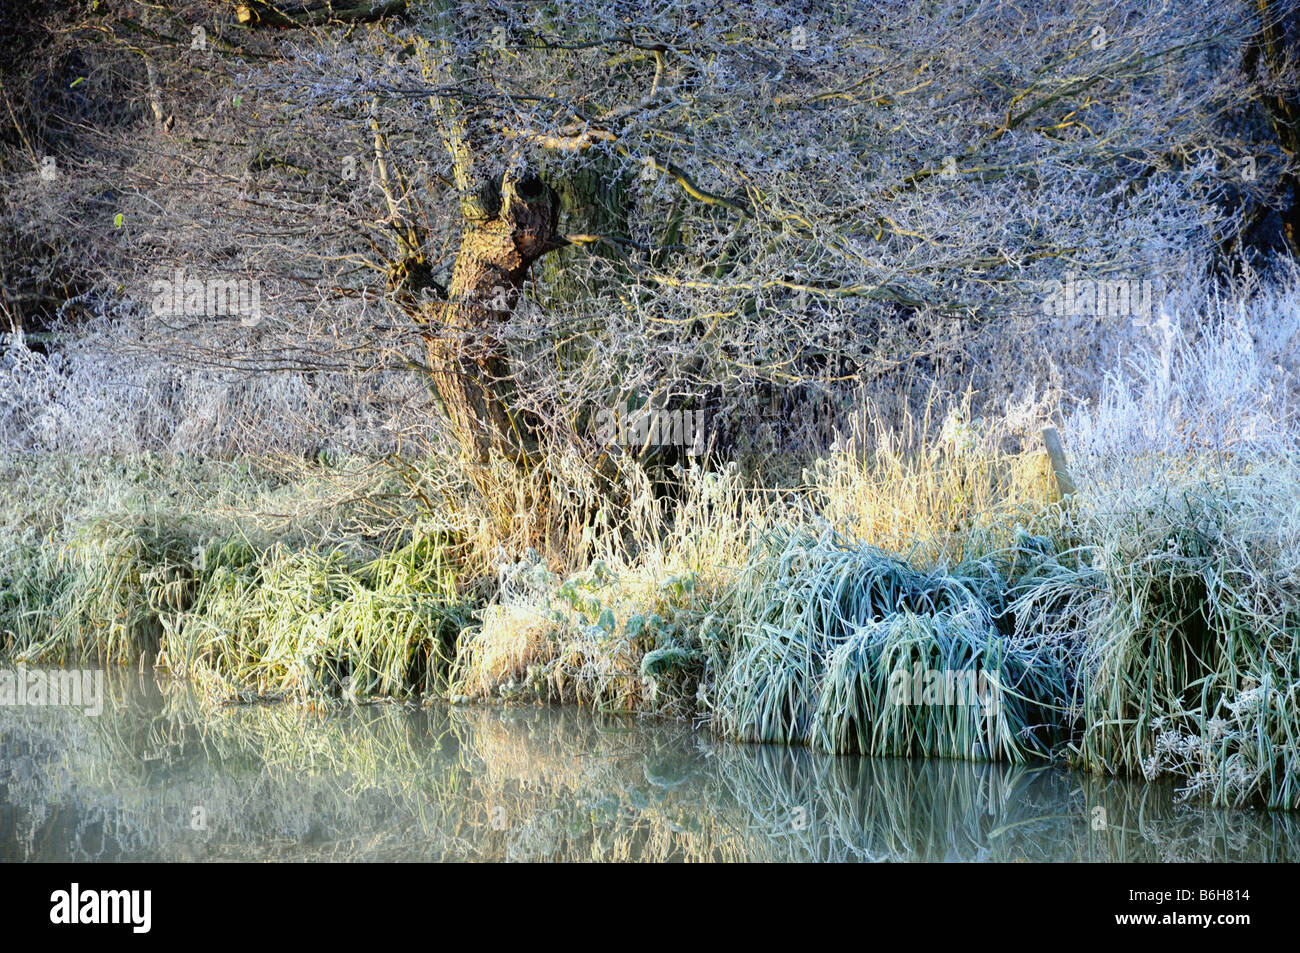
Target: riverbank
1147	626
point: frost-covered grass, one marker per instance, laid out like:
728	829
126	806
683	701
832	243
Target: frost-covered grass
1219	378
1188	603
829	634
1149	623
247	575
113	388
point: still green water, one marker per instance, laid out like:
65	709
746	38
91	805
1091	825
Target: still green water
161	776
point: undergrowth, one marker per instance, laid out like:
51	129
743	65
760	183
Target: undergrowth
933	598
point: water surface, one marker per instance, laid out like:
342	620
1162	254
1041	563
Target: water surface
159	775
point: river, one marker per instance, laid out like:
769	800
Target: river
162	775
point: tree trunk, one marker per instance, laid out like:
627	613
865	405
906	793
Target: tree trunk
471	371
1280	32
594	201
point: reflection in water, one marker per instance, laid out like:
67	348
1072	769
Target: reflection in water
161	776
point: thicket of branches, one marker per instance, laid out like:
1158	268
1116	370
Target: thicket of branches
770	213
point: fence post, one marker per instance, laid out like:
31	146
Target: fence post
1056	453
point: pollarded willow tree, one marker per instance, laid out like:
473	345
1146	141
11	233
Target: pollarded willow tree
553	209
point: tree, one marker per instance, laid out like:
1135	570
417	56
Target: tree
552	210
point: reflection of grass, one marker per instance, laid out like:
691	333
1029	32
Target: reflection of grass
393	781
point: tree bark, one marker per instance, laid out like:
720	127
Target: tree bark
470	368
1277	43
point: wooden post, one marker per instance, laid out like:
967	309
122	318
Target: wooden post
1056	453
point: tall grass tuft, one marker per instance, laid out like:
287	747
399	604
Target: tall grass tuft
311	624
98	595
825	629
938	490
247	576
984	696
1188	612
